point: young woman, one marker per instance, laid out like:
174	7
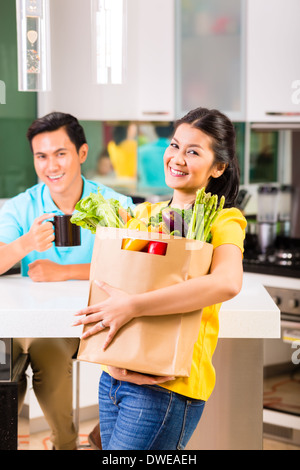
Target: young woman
140	412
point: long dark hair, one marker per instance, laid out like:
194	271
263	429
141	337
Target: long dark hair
222	133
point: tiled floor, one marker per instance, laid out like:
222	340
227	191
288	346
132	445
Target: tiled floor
41	441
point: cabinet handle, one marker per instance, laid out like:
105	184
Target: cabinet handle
155	113
286	114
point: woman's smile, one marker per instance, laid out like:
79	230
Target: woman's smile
177	173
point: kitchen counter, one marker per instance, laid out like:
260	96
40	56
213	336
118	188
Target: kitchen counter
233	416
269	280
37	310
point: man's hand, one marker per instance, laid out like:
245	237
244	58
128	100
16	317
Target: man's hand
44	270
41	235
39	238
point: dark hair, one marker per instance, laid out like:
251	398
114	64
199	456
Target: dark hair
54	121
222	133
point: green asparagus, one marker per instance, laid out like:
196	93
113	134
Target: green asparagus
205	212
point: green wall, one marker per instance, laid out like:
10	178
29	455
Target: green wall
16	163
94	136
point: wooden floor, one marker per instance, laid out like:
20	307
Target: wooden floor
276	445
41	441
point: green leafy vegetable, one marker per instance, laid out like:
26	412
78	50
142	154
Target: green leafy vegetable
95	210
194	224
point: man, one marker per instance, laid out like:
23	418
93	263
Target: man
59	149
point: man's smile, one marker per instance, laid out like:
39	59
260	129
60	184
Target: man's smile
55	177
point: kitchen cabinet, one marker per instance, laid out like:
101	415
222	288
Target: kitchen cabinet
147	92
211	37
239	56
273	67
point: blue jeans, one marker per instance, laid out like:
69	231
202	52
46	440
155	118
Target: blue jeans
134	417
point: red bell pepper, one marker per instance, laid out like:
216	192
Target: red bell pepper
157	248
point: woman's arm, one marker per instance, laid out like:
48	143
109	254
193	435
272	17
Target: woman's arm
223	283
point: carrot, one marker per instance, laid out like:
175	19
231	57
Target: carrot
125	216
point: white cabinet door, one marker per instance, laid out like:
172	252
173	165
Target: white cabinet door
273	60
74	88
156	99
147	92
211	56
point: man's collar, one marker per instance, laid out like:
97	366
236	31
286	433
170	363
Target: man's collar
49	205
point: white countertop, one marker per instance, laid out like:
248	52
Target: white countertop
282	282
39	310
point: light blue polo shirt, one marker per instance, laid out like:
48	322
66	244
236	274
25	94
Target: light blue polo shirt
18	214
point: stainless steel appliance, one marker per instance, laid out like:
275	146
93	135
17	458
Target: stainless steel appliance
268	201
282	370
280	270
285	210
280	259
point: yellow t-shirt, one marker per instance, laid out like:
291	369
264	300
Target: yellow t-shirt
229	228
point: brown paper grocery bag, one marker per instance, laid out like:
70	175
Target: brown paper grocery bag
161	345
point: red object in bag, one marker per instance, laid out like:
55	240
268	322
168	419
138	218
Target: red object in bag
157	248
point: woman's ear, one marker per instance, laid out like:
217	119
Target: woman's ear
218	170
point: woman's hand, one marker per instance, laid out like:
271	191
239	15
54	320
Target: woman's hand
113	313
136	378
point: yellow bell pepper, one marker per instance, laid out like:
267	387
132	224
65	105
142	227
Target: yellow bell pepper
133	244
136	224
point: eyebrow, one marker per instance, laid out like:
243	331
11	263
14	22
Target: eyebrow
190	145
56	151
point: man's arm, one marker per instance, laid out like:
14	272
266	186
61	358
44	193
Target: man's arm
39	238
48	271
11	254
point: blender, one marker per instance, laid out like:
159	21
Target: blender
267	216
285	209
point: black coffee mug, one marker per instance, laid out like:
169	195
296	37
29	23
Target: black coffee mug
66	233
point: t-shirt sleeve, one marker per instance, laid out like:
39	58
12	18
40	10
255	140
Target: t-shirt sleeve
10	228
229	228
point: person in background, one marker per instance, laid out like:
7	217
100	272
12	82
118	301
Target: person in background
123	151
151	158
160	413
104	165
59	149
